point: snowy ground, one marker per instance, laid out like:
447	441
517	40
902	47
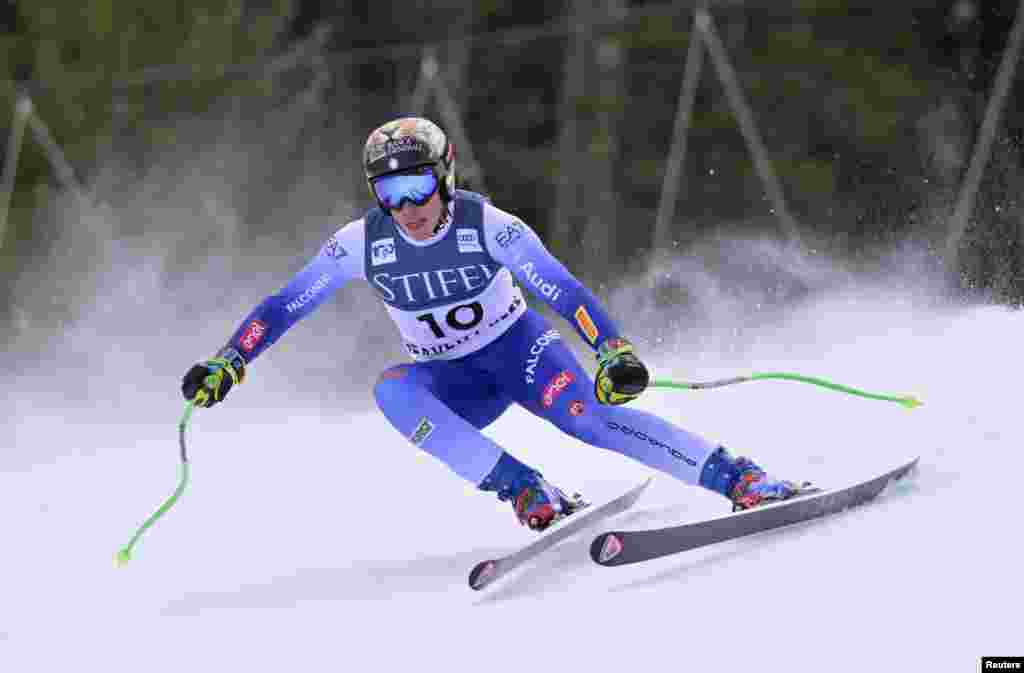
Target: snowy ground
312	540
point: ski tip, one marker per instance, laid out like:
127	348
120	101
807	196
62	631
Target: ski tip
605	548
483	573
909	470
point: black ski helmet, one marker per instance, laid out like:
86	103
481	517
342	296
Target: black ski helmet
406	143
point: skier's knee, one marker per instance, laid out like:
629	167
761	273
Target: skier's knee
581	422
594	423
388	380
395	373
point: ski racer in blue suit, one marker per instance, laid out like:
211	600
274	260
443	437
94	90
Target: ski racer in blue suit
449	267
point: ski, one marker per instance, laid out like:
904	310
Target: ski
616	548
486	572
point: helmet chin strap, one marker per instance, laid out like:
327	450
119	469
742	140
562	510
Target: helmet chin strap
446	215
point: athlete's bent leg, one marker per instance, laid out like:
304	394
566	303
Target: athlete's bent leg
441	407
536	369
441	411
690	458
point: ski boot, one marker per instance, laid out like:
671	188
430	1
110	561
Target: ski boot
536	503
539	505
744	483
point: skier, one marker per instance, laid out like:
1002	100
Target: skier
448	266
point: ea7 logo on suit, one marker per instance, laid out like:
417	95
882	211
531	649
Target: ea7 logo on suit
512	232
382	251
334	249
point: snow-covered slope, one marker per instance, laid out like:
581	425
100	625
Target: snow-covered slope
314	538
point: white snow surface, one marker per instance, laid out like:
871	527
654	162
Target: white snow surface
312	537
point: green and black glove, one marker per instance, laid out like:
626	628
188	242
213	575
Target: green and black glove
621	377
213	378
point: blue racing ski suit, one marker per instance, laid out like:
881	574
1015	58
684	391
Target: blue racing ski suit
475	346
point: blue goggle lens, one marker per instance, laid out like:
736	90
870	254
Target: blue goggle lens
417	188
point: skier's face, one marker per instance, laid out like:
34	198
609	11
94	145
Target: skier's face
419	222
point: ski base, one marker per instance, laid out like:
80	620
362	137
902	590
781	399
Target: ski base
486	572
617	548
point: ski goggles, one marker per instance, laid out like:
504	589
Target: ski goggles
416	187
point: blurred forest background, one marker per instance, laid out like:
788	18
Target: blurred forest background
848	131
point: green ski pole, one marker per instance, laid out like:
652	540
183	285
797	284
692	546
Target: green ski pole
125	553
903	400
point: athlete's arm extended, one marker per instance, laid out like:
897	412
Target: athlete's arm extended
339	260
515	245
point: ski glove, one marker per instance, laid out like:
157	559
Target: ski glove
207	383
621	377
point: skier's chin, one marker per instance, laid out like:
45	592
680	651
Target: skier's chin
417	228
